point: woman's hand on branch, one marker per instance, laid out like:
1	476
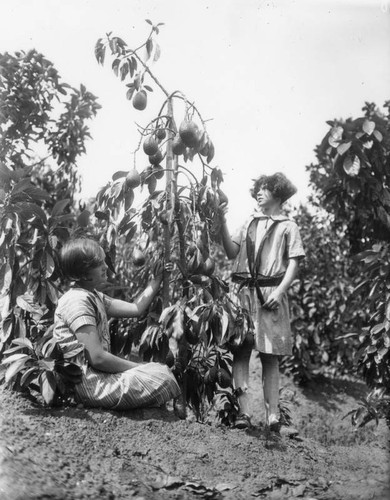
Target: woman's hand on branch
223	210
159	267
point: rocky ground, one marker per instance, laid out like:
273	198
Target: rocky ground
75	453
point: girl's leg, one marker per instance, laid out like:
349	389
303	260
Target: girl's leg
270	364
241	358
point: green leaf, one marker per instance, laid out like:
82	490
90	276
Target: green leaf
26	302
115	66
37	194
378	136
157	53
124	69
28	375
15	368
149	22
23	343
225	325
149	47
119	174
129	199
102	215
6	327
343	148
129	93
148	88
152	183
368	127
131	233
377	328
98	49
5	176
59	207
21	186
46	364
48	386
5	278
14	357
49	264
351	165
30	211
52	292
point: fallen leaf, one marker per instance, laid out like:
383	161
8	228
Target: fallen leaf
225	486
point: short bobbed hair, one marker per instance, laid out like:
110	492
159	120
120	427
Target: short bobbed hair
278	184
80	255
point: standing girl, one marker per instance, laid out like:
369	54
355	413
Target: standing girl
266	252
81	317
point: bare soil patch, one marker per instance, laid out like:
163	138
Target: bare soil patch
76	453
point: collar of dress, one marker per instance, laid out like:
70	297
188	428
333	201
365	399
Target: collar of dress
260	215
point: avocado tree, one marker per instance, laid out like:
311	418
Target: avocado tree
351	180
178	221
43	123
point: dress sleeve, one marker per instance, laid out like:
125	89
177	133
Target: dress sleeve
294	243
106	301
79	310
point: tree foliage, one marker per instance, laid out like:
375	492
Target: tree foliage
323	305
178	221
43	123
351	180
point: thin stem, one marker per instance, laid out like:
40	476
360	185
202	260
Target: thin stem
146	67
189	171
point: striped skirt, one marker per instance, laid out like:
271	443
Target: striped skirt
150	384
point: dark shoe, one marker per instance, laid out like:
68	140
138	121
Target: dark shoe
242	421
179	408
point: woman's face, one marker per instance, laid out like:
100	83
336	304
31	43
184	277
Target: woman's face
97	277
265	198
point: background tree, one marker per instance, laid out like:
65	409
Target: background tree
351	180
323	306
43	123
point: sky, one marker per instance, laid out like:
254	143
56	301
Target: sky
266	75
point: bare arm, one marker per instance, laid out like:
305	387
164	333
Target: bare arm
231	247
122	309
97	357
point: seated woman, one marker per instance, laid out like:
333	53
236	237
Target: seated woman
81	317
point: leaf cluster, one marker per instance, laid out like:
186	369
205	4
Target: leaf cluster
351	179
37	212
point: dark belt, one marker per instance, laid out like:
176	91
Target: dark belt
261	281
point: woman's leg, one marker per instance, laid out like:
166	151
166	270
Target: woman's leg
270	364
241	358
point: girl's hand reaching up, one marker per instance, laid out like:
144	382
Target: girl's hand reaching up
159	267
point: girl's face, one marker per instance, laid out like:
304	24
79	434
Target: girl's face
96	277
265	198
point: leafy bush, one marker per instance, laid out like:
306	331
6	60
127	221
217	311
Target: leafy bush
351	180
38	366
39	113
322	303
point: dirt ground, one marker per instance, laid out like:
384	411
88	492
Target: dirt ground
75	453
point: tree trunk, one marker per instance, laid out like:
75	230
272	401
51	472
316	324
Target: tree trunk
170	194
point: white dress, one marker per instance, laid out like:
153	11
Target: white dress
272	249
